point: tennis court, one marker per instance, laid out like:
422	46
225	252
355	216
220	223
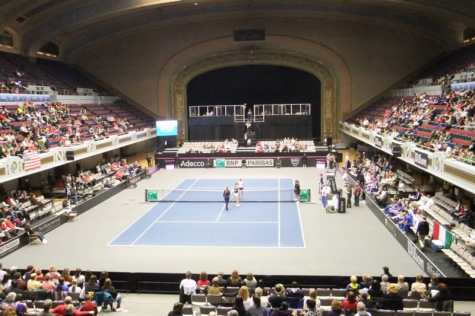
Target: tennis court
193	215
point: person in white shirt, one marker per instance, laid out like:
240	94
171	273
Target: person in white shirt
335	201
428	205
241	188
264	299
187	287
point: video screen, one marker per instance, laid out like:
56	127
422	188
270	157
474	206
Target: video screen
167	128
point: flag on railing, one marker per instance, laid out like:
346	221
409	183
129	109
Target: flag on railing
440	233
32	160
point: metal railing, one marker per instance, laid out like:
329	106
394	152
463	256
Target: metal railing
217	110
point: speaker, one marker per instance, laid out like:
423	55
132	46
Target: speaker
329	141
249	35
70	155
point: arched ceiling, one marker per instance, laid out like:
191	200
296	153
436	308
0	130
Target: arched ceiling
79	25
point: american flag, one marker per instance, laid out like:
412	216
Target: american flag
32	160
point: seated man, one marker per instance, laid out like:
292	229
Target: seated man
31	233
416	197
407	222
382	197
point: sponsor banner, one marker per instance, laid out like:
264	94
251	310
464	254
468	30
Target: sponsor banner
10	246
192	163
292	162
378	141
463	86
13	97
421	159
237	163
51	224
220	163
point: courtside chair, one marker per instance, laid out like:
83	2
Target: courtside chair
338	293
442	313
327	312
410	305
386	312
418	313
214	299
306	291
326	302
74	296
323	292
230	294
425	306
223	311
404	313
198	299
205	310
462	313
187	309
448	306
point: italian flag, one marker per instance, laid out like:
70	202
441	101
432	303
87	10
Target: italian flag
440	233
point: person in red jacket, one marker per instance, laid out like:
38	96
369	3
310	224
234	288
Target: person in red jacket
61	309
89	306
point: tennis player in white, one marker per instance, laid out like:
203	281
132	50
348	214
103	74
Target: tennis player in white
236	195
241	188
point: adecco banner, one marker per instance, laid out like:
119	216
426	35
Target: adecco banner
192	163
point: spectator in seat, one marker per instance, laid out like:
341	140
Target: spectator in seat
239	306
203	282
54	274
361	308
221	280
235	279
6	283
21	283
33	284
250	282
350	303
91	306
61	309
295	291
47	304
187	287
392	300
214	288
74	288
80	278
415	197
283	310
368	302
278	297
440	297
65	274
48	285
336	309
256	309
353	285
92	285
12	301
177	310
108	287
263	296
246	299
313	309
375	290
419	287
312	297
382	197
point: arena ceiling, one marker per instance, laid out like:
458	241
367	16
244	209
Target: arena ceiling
79	25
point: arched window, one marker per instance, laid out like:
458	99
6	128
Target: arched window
49	49
468	34
6	39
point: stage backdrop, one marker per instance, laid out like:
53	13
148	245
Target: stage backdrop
256	84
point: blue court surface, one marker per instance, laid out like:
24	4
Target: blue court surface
193	215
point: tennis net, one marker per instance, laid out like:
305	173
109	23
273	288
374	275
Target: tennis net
214	195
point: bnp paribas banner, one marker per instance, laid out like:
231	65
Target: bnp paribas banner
237	163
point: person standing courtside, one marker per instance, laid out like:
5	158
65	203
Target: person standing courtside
226	195
356	193
149	160
304	161
422	231
349	193
243	163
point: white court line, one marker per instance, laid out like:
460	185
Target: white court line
300	220
278	213
224	206
143	233
109	244
224	247
209	222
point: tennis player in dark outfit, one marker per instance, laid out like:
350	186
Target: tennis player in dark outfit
226	195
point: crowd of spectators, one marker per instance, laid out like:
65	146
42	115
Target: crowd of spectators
78	288
38	127
252	298
286	145
449	111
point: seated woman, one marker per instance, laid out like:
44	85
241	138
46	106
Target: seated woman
107	287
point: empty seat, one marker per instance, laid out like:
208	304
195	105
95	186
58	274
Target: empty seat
323	292
338	293
198	299
206	309
410	304
223	311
